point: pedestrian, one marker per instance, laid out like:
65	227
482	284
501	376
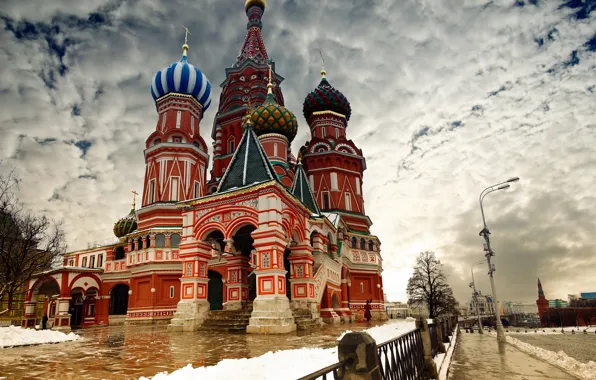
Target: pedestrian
44	322
367	313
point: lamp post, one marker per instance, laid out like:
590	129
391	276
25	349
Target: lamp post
475	296
489	253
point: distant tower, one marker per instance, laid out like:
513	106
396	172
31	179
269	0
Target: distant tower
542	303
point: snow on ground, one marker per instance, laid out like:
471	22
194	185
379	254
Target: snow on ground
281	364
443	361
15	336
560	359
549	330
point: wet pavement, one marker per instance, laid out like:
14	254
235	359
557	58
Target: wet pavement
481	357
578	346
128	352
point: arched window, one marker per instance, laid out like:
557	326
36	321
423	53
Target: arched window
92	262
231	146
174	241
119	254
371	245
362	244
147	242
99	261
354	243
160	241
140	243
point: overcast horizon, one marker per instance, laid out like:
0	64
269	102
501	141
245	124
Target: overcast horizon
448	97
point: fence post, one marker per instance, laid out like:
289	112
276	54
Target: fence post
361	349
431	368
440	340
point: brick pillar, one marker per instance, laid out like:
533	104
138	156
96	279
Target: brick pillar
271	309
193	308
301	279
237	283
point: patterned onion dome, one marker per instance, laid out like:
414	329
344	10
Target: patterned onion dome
258	3
126	225
326	98
182	78
270	117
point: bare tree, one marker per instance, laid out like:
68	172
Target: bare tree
29	243
428	286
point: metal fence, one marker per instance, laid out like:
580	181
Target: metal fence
402	358
335	371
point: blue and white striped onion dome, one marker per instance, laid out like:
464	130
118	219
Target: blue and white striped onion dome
182	78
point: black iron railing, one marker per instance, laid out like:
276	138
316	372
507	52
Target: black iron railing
335	371
434	339
402	358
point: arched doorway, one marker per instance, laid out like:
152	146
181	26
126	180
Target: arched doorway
76	307
335	302
215	292
119	299
287	267
243	244
216	239
46	296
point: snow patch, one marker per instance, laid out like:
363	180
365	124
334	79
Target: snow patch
560	359
444	362
15	336
292	364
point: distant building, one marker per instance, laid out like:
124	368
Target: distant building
558	303
588	296
513	307
485	305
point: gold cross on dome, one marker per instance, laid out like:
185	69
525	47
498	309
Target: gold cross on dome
186	34
134	198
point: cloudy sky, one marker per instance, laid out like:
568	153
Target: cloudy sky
448	97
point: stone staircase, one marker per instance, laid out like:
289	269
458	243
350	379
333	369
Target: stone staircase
227	320
304	319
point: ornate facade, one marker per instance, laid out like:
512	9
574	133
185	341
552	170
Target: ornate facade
266	233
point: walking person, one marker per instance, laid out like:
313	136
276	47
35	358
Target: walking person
44	322
367	309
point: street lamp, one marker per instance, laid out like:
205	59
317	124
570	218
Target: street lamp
489	253
475	296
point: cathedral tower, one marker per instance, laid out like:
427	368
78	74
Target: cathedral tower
245	84
542	304
176	156
334	164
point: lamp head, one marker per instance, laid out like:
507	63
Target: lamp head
503	187
514	179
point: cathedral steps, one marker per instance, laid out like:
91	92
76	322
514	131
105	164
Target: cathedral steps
304	319
227	320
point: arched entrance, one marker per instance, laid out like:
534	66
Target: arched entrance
287	267
119	299
335	302
243	244
215	292
47	294
76	307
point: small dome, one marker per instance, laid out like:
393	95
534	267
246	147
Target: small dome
258	3
270	117
126	225
182	78
326	98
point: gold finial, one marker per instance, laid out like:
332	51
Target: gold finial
300	158
185	46
134	198
269	85
323	72
247	119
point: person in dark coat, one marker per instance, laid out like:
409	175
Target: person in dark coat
367	309
44	322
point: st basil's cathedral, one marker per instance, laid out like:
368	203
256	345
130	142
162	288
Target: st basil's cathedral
267	243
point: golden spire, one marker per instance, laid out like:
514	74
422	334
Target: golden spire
134	198
185	46
247	119
269	85
323	72
300	158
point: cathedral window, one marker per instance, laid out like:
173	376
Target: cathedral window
163	121
192	125
175	241
334	185
84	262
358	185
348	200
354	243
371	246
336	133
323	132
197	189
171	292
160	241
275	150
99	261
71	263
362	244
178	118
119	254
326	201
362	288
174	192
152	192
231	146
92	262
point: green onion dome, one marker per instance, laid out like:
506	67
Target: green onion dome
126	225
326	98
270	117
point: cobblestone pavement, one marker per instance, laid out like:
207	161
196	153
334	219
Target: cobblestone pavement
481	357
